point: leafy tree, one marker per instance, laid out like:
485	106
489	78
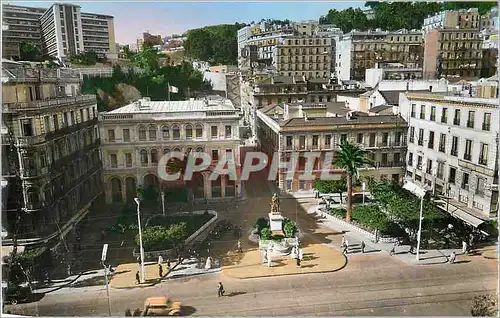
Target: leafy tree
215	44
85	58
29	52
350	158
484	306
346	20
156	238
331	186
289	228
147	60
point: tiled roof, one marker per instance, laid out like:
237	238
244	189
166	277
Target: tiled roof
172	107
380	108
320	121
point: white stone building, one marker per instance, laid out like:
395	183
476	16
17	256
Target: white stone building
453	148
135	136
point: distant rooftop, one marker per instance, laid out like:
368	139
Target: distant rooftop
333	121
450	96
193	105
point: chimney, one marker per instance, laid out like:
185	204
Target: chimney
286	112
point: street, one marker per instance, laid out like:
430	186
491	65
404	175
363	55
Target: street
370	284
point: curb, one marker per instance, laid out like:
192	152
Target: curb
194	274
68	283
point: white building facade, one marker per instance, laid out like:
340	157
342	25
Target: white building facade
136	136
453	149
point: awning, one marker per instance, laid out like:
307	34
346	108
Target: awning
463	215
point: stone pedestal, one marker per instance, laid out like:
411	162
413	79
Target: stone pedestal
276	223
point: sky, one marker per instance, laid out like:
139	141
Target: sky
166	18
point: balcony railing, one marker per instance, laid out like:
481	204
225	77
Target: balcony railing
454	152
456	121
444	119
54	102
467	157
486	127
441	148
470	124
420	142
483	161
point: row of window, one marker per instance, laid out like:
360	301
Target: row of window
452	173
152	156
468	151
397	140
470	123
168	133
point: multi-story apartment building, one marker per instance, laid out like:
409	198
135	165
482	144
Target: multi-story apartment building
453	53
304	55
453	149
53	129
135	137
99	34
453	19
149	39
21	24
358	51
489	35
305	128
60	31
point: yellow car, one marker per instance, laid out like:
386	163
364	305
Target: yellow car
161	306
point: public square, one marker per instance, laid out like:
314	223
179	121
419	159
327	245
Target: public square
328	283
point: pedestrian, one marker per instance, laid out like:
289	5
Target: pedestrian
452	258
393	250
343	241
412	250
363	247
160	260
179	259
301	255
139	260
465	247
239	247
376	235
160	270
220	290
137	277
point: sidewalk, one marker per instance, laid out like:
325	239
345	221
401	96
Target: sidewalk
69	281
427	257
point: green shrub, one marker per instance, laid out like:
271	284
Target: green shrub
289	228
372	217
157	238
261	224
265	234
340	213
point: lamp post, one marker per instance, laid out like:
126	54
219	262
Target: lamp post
420	192
163	202
143	271
364	189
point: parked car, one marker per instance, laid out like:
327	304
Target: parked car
161	306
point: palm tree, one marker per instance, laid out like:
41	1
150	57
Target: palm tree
350	157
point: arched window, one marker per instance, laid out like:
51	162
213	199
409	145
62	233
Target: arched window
176	132
199	149
165	130
33	198
154	156
199	131
152	132
166	150
142	133
177	149
144	157
189	131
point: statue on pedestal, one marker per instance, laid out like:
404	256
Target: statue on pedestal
275	203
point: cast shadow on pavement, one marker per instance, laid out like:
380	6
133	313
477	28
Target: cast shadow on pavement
232	294
188	310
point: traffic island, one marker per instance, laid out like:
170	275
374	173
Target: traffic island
318	258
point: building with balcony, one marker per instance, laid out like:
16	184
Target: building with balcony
453	19
309	56
135	137
60	31
357	51
453	149
319	128
53	129
453	53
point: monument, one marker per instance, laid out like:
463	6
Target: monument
275	217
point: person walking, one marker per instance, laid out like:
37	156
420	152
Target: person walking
376	235
452	258
239	247
160	270
168	264
363	247
160	260
137	277
393	250
220	290
343	241
465	248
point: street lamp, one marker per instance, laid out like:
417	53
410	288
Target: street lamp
420	192
143	271
163	202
